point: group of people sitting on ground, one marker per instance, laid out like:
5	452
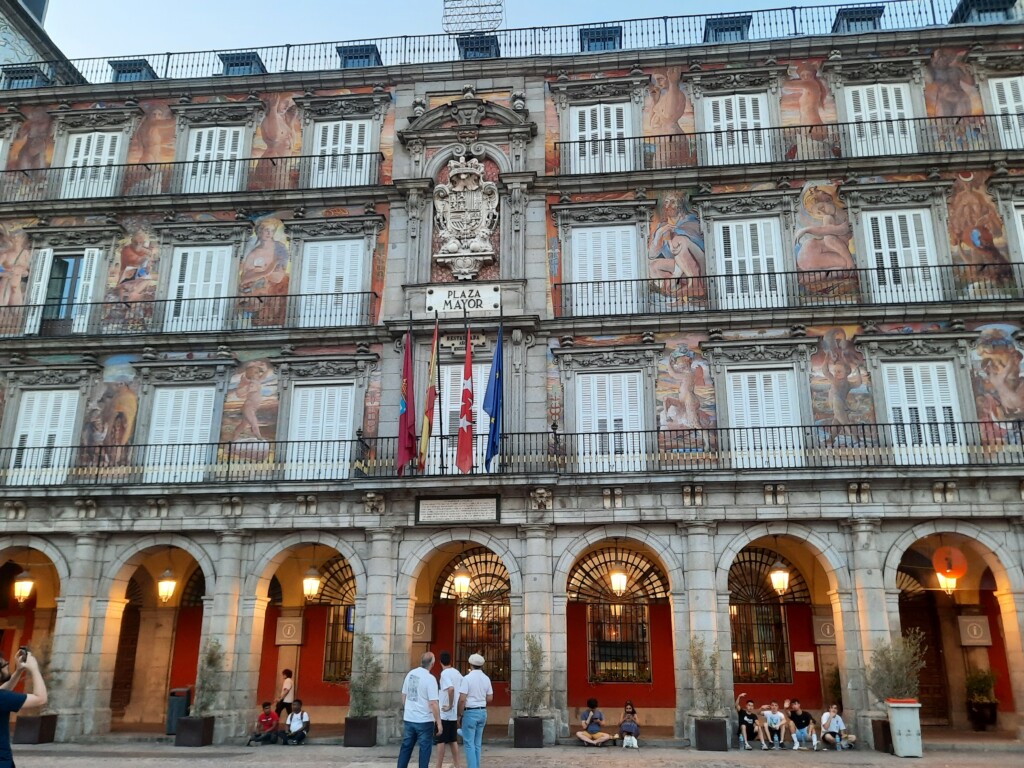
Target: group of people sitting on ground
593	721
771	725
269	730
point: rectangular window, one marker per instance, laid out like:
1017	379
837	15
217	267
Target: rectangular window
924	413
764	417
241	63
60	291
605	272
596	39
213	160
197	295
342	154
332	276
882	116
320	433
90	165
760	643
727	29
43	437
20	76
735	126
901	251
132	70
449	406
358	56
750	264
850	21
618	635
602	141
178	448
1008	102
610	422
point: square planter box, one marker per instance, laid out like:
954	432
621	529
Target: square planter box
712	734
194	732
34	729
360	731
528	732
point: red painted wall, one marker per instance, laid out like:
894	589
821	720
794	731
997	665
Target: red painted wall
806	686
185	656
309	680
270	676
997	652
660	692
443	639
27	611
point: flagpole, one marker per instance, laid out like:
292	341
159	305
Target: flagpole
440	399
501	411
465	327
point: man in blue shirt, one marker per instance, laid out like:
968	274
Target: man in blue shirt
13	702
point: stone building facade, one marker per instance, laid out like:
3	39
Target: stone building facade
758	291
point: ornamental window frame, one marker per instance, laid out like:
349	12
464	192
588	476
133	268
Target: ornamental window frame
1009	196
318	111
245	115
68	124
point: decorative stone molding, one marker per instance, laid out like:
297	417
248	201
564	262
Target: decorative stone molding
367	227
693	495
85	509
357	367
842	72
945	492
305	504
879	347
933	194
96	236
584	359
347	106
541	500
10	122
469	111
517	198
417	192
212	371
64	376
14	510
993	62
859	493
213	232
611	498
571	215
466	215
775	494
374	504
157	507
96	119
568	92
1007	189
712	81
781	203
245	113
775	350
231	506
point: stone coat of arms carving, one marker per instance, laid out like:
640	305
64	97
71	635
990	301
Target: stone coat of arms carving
466	213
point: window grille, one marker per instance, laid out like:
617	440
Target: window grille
484	628
195	589
338	590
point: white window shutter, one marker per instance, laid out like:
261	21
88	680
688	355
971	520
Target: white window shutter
924	412
198	290
89	161
214	155
750	263
43	436
332	278
1008	101
764	414
84	290
179	448
605	271
449	403
610	421
735	124
342	147
601	132
320	432
37	289
887	110
903	255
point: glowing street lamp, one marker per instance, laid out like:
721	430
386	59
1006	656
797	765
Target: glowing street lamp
311	583
23	586
166	585
619	579
779	576
461	582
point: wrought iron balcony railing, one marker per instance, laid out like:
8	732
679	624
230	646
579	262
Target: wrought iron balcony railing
775	290
194	177
631	34
227	313
668	450
824	142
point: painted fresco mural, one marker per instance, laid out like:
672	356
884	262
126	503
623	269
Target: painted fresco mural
111	413
249	423
840	382
263	277
15	266
132	280
998	380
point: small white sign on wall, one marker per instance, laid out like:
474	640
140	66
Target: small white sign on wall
803	661
824	630
459	298
289	630
975	630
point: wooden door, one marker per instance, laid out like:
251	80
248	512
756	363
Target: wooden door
921	613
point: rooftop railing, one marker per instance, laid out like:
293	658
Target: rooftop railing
672	449
884	285
192	177
572	39
250	311
823	142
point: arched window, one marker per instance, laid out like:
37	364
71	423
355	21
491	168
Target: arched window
194	591
338	590
482	621
618	625
757	615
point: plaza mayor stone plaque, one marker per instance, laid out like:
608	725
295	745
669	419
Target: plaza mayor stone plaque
476	509
456	299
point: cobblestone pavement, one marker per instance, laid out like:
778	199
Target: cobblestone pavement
141	755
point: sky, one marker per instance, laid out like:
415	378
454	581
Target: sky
108	28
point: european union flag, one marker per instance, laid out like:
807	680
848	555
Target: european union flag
492	403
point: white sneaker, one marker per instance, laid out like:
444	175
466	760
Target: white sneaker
815	746
764	746
747	746
796	746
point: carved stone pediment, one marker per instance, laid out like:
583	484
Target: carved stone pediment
748	204
987	61
711	81
576	359
218	113
102	236
568	92
357	367
759	351
636	212
206	232
1007	188
96	119
879	346
893	69
468	111
314	229
10	121
207	371
901	194
466	214
51	376
347	106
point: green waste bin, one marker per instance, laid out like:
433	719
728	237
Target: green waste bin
178	702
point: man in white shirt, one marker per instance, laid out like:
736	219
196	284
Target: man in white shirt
297	724
422	714
475	694
833	730
451	679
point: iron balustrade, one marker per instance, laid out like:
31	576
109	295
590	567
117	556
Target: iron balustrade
191	177
882	285
632	34
227	313
666	450
827	141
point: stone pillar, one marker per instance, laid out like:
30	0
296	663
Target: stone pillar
157	629
559	663
388	632
702	615
98	667
253	618
1011	607
71	638
232	708
536	609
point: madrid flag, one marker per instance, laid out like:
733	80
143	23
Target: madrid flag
464	453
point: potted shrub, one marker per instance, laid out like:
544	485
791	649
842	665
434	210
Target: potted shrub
982	705
196	730
894	675
41	728
528	726
711	730
363	686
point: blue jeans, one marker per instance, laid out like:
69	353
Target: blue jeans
473	722
417	733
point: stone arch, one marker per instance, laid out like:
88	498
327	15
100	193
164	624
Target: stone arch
482	150
1008	575
654	542
117	574
276	552
831	559
407	576
55	555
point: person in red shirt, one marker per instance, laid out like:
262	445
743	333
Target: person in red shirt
266	726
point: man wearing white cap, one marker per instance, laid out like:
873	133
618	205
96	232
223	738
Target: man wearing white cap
422	715
475	693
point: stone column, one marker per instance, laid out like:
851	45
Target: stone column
232	709
703	619
71	638
1011	607
384	628
98	667
536	609
559	663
